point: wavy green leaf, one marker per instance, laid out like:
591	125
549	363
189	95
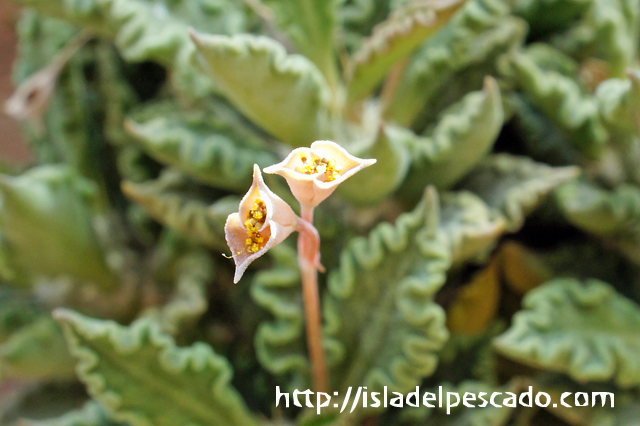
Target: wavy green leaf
562	100
311	24
284	94
373	184
47	219
71	115
118	95
280	344
514	186
608	31
481	31
549	58
619	102
464	134
62	130
543	140
142	378
471	226
21	400
362	15
625	415
181	212
614	215
156	31
213	114
470	229
91	414
41	39
26	333
357	18
192	142
587	331
577	40
188	302
551	15
22	355
16	312
616	33
382	326
393	40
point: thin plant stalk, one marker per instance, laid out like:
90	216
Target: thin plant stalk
392	83
308	255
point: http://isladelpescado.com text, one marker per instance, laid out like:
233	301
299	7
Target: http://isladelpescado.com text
361	397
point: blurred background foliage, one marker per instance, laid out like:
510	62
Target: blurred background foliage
494	246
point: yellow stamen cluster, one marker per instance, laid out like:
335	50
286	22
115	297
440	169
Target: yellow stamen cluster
319	165
255	219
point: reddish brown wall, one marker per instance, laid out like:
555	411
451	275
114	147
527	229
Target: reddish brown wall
12	149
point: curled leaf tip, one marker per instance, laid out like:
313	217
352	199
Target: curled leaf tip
132	127
200	38
62	315
490	84
634	76
194	35
31	99
314	173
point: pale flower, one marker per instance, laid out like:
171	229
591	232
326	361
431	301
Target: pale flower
263	221
314	173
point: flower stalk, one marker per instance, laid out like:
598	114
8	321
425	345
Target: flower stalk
265	220
308	262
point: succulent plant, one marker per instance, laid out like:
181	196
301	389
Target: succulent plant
494	245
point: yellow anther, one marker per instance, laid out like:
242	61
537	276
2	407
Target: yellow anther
252	227
256	218
319	165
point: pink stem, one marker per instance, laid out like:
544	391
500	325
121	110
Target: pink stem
309	261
